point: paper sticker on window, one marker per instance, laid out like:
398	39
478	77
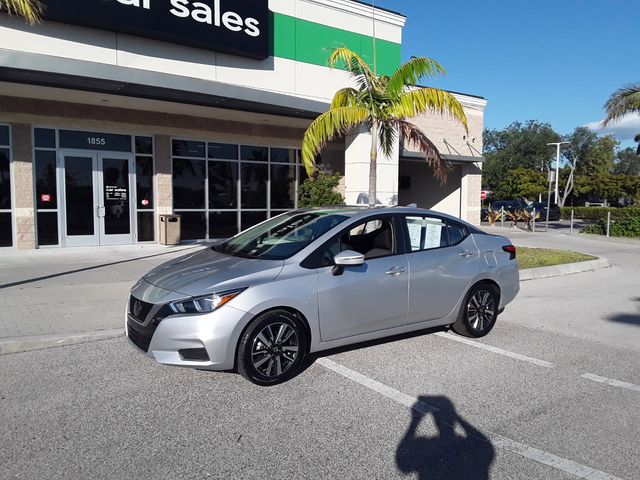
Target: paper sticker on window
415	233
433	234
145	202
45	197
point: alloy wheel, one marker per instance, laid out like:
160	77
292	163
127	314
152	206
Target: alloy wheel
481	310
275	349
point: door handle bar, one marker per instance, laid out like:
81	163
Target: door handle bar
395	271
466	253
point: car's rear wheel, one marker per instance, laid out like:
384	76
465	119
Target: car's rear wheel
272	349
479	311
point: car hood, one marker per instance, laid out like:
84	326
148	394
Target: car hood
207	271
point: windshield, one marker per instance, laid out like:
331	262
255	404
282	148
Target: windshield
281	237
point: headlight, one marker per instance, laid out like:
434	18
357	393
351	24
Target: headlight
205	303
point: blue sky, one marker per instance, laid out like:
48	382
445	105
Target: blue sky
554	61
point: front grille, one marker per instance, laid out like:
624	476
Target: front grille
141	340
139	309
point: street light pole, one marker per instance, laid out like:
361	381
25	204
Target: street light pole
557	144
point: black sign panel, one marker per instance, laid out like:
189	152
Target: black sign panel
95	141
238	27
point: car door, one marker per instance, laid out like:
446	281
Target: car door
367	298
443	259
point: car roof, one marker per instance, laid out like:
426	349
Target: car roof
359	211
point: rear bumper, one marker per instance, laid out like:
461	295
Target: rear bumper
217	332
509	281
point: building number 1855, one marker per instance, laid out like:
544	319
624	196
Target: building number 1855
96	141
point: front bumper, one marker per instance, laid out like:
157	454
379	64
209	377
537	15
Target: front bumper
217	332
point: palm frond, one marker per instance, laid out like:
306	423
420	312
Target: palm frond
415	137
623	101
31	10
326	127
434	100
387	136
346	97
411	72
355	65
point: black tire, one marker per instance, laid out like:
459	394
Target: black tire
272	349
478	312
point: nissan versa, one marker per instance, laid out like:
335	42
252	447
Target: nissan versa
311	280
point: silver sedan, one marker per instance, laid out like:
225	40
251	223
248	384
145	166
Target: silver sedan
316	279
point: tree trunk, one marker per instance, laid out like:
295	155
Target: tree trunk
373	166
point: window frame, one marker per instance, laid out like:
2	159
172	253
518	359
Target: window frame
446	221
12	198
399	240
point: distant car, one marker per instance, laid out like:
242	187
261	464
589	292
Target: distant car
316	279
541	207
509	205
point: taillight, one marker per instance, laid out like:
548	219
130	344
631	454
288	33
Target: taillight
511	250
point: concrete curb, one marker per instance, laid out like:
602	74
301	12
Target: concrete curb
564	269
39	342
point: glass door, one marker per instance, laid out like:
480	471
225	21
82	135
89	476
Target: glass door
97	199
114	199
80	200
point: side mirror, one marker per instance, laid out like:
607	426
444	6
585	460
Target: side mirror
348	258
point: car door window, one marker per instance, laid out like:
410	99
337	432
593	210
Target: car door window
457	232
373	238
426	233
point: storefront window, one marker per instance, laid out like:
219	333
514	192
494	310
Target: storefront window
145	227
188	183
235	188
254	154
47	228
223	185
44	138
45	177
6	223
283	186
254	185
144	182
223	224
193	225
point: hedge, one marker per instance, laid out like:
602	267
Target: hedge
623	227
600	213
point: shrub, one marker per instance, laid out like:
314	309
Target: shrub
599	213
622	227
319	190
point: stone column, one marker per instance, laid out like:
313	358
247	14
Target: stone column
471	187
23	186
356	163
164	183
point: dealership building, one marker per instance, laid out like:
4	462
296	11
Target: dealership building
115	112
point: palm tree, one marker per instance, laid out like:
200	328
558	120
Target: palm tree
29	9
623	101
383	104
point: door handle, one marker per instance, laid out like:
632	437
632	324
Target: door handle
395	271
98	211
466	253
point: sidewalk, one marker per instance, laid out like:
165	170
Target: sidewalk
53	293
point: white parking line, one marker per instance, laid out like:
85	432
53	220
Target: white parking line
611	381
499	351
540	456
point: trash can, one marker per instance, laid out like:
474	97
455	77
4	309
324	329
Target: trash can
170	229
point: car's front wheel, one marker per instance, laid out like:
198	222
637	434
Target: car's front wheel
479	311
272	349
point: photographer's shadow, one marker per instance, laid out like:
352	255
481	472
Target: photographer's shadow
453	450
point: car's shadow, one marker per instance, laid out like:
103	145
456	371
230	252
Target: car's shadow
628	318
311	358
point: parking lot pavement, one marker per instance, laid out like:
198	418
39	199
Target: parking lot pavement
71	291
552	393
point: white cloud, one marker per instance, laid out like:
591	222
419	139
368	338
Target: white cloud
624	129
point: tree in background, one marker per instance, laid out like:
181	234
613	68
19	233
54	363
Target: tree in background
522	183
31	10
517	146
319	190
383	104
627	162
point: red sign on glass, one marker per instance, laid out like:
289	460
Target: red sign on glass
45	197
145	202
